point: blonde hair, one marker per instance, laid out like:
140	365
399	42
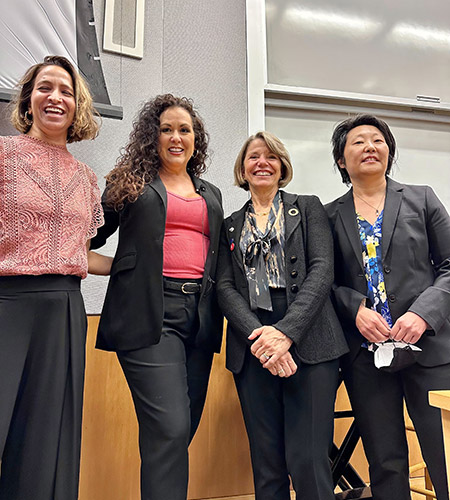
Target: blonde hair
84	126
276	147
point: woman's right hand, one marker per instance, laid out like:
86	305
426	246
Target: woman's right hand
285	366
372	325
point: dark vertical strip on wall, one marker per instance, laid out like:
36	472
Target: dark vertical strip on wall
89	62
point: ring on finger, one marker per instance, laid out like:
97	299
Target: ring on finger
266	356
281	371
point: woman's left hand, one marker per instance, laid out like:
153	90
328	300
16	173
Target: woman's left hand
285	366
270	346
409	328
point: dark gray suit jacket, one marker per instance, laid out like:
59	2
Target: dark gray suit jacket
416	265
310	320
133	311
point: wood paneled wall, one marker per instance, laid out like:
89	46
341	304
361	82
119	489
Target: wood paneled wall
219	455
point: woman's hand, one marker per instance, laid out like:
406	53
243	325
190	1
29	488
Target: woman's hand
97	263
270	346
285	366
372	325
409	328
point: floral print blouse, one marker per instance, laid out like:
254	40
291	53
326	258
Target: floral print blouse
371	238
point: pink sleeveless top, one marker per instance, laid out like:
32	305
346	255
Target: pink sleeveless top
49	208
186	240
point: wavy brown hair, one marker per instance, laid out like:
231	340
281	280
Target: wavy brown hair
139	163
84	124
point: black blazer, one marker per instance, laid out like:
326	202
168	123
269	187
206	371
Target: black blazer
310	320
416	265
132	314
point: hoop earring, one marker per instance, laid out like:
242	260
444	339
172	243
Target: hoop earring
27	119
194	154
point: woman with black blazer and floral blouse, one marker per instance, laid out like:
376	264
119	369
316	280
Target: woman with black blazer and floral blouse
275	271
392	283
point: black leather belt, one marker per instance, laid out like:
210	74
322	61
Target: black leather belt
187	287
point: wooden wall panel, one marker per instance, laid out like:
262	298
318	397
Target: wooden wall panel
219	455
109	453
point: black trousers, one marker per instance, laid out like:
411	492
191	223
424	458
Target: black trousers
42	356
168	382
377	400
289	423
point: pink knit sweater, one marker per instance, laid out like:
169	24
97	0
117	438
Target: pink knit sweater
49	208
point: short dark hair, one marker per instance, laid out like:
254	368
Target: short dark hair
339	140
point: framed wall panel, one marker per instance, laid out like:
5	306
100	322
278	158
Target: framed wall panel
124	27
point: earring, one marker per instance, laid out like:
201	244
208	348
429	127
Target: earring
195	153
27	119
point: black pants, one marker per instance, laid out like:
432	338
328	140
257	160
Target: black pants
42	349
289	423
377	400
168	382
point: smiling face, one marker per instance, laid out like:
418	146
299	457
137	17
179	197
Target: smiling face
262	168
176	138
52	105
366	153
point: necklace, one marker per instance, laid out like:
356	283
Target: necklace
261	214
377	212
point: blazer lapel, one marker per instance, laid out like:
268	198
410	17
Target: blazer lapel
292	216
348	217
234	230
394	195
158	186
215	217
213	205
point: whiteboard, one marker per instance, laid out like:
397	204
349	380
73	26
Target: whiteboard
395	48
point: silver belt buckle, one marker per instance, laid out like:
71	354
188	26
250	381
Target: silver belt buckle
187	291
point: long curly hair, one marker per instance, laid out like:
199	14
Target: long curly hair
139	163
84	126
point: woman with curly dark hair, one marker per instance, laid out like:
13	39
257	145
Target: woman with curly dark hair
160	314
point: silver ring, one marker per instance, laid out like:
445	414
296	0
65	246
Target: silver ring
280	371
266	356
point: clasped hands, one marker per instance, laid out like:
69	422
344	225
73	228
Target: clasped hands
408	328
272	350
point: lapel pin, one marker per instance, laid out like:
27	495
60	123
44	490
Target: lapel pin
293	212
231	229
231	244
